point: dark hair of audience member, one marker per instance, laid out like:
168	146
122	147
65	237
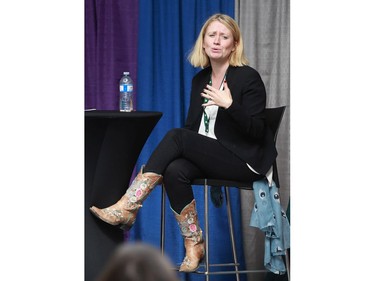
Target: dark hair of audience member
138	262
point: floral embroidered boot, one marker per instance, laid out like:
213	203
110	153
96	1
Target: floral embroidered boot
124	212
194	243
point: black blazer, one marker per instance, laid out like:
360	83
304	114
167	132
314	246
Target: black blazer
241	128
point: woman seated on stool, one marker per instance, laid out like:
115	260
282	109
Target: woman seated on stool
225	136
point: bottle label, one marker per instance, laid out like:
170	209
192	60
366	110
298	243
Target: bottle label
126	88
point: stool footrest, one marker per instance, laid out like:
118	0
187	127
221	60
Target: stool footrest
220	264
205	272
230	272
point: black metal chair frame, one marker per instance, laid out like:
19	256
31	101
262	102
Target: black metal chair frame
273	120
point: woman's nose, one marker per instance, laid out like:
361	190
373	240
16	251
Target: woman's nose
217	40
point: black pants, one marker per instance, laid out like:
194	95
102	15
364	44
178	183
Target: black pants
184	155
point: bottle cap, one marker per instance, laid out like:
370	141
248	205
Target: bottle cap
126	73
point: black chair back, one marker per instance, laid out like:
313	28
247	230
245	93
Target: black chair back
273	120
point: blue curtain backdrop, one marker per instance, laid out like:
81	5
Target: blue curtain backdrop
167	32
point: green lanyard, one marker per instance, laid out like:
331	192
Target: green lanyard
206	118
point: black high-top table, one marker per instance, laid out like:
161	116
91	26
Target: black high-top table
113	142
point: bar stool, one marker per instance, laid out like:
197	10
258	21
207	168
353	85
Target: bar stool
273	120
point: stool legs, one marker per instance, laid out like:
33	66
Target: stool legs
207	263
162	226
231	232
207	271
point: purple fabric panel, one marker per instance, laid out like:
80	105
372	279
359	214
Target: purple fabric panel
111	36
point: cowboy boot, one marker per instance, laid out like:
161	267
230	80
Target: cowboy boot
194	243
124	212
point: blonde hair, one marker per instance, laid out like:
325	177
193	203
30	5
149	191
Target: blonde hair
198	56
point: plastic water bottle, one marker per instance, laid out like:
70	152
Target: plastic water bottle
126	93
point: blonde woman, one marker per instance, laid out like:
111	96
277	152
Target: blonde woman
225	136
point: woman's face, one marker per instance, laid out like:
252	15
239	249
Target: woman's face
218	42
